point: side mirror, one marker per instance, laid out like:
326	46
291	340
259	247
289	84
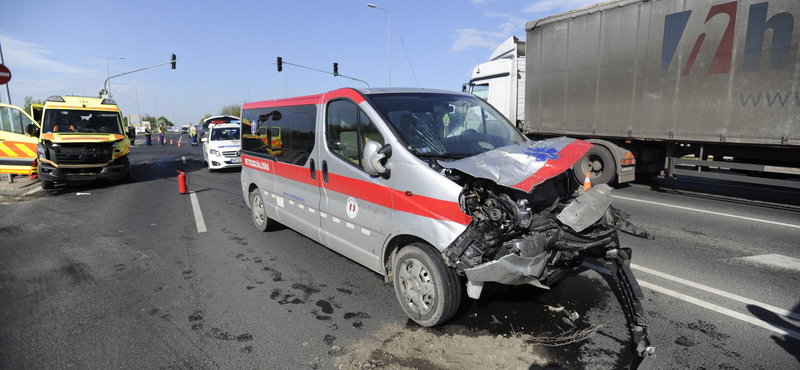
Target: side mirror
464	87
32	130
374	159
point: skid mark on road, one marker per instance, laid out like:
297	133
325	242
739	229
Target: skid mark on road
707	212
198	214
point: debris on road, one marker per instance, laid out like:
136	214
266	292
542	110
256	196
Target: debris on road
83	193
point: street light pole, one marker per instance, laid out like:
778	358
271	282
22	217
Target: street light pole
108	73
139	111
390	39
248	91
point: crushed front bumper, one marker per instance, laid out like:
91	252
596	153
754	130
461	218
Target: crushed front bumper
113	172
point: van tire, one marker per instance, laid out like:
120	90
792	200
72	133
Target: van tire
47	185
431	272
258	211
599	162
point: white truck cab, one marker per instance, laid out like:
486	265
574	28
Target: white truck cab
501	80
221	147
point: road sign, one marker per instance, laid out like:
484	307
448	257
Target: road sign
5	75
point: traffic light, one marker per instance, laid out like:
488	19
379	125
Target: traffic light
335	69
280	64
174	61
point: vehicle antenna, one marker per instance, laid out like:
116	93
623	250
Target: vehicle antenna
409	62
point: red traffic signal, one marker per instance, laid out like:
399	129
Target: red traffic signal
280	64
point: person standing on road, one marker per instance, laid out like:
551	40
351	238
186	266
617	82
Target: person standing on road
161	131
193	135
132	135
147	135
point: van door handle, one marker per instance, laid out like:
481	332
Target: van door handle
325	171
313	170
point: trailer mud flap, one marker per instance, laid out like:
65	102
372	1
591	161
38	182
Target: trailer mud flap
618	261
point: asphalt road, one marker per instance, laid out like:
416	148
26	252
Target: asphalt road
121	278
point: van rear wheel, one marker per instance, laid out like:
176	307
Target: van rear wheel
428	291
259	211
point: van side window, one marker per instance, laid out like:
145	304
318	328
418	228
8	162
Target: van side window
255	131
10	120
348	129
302	134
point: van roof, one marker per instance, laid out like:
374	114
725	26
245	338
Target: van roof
80	102
356	94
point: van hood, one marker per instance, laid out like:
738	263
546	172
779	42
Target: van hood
524	165
82	137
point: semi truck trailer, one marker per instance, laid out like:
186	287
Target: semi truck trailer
704	88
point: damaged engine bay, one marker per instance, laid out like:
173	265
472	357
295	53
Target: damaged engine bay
536	237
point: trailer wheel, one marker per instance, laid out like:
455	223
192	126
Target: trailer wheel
428	291
599	162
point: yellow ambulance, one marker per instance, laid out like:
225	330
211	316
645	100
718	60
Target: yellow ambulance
17	149
81	139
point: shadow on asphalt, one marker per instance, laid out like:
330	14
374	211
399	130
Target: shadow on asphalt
746	194
789	344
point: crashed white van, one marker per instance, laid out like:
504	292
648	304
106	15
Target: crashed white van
434	190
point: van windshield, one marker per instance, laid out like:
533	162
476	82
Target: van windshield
446	125
66	121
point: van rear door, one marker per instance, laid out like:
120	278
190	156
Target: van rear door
17	149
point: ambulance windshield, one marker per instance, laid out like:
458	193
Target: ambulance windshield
86	121
446	125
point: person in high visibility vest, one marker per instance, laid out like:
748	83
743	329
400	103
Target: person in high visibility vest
147	134
161	132
193	135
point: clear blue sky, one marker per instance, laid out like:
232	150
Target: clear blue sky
60	47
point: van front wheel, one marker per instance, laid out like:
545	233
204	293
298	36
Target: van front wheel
428	291
259	211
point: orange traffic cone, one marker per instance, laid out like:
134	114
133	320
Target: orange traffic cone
587	182
179	143
170	142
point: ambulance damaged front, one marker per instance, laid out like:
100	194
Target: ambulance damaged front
532	222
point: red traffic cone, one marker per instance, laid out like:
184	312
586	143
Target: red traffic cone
179	143
587	182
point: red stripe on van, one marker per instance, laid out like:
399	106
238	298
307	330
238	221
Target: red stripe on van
568	156
383	196
300	100
344	93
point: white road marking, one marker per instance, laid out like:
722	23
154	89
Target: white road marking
323	215
183	158
722	310
349	225
775	260
365	231
708	212
35	190
777	310
198	214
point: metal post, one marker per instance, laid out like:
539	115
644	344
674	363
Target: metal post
701	157
108	74
390	39
8	90
10	179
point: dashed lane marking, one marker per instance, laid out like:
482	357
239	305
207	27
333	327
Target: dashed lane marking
775	260
707	212
777	310
198	214
183	158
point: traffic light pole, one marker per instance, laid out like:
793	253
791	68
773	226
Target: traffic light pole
105	84
326	72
